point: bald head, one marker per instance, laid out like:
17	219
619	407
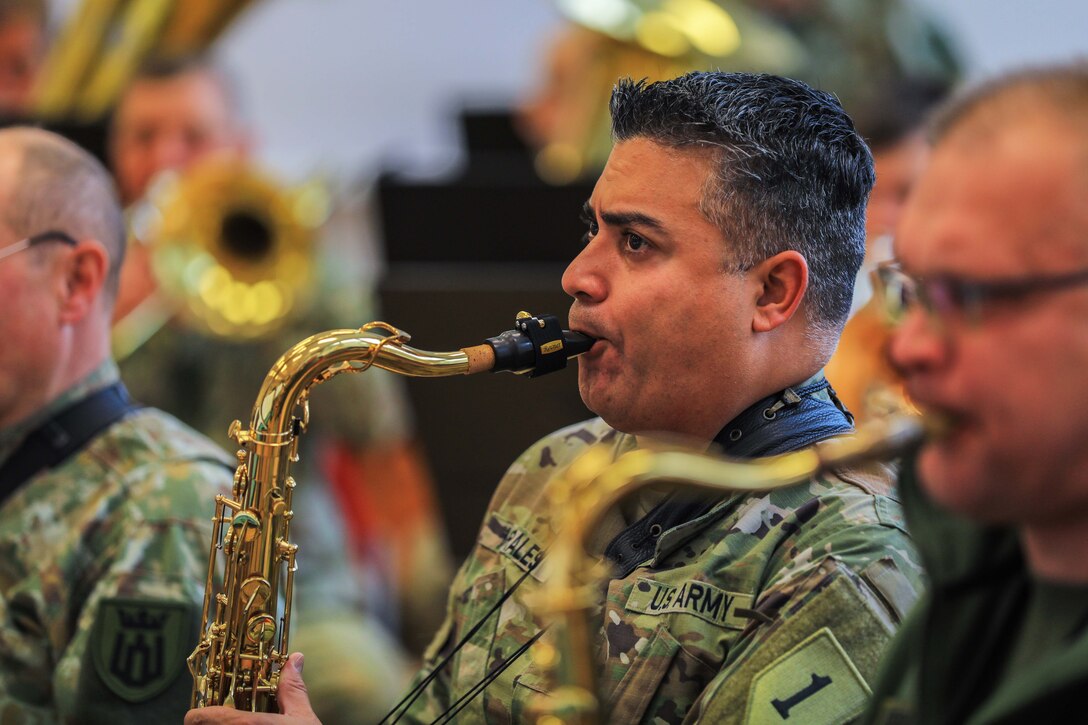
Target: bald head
48	183
1051	95
1030	113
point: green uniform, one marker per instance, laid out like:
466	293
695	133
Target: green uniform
104	559
764	606
958	658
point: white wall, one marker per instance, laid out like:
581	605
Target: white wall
347	85
1002	34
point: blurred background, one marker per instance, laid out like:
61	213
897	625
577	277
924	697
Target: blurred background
359	86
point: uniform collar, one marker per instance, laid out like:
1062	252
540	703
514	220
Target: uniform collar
101	377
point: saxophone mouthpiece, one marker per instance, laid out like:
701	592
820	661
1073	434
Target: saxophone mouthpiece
536	346
576	343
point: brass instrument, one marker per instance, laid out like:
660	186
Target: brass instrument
652	39
594	483
245	624
104	41
231	249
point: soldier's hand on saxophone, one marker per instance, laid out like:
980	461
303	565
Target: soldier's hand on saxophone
294	702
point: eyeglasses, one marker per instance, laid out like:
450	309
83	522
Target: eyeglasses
49	236
945	297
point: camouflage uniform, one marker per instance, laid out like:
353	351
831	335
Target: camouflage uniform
763	607
101	555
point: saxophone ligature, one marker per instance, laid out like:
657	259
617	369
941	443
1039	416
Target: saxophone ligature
245	623
595	482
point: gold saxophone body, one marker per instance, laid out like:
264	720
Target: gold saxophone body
245	624
594	483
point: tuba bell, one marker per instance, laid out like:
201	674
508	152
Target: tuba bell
232	251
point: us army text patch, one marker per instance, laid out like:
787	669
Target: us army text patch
704	600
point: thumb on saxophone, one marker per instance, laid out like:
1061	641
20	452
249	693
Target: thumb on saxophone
292	695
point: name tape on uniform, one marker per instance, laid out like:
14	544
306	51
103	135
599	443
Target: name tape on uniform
512	542
701	599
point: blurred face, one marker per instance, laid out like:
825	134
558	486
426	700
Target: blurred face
21	51
649	283
169	124
556	108
1013	376
897	169
29	326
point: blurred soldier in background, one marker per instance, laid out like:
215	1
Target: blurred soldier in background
358	462
104	523
23	37
892	123
991	290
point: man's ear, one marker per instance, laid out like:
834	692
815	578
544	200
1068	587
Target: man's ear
784	279
83	269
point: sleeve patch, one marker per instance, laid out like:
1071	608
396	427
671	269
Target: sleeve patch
139	645
815	683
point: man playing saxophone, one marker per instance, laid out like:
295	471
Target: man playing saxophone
104	521
716	273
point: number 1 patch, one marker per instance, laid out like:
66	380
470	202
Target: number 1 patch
815	683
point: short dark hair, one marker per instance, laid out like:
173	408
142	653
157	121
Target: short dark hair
791	172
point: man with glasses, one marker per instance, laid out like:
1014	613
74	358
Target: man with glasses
104	506
992	298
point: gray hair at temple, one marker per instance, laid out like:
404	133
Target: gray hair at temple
61	187
792	173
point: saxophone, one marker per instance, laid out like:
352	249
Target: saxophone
245	624
594	483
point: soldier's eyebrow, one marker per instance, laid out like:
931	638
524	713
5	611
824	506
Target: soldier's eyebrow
623	218
587	214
